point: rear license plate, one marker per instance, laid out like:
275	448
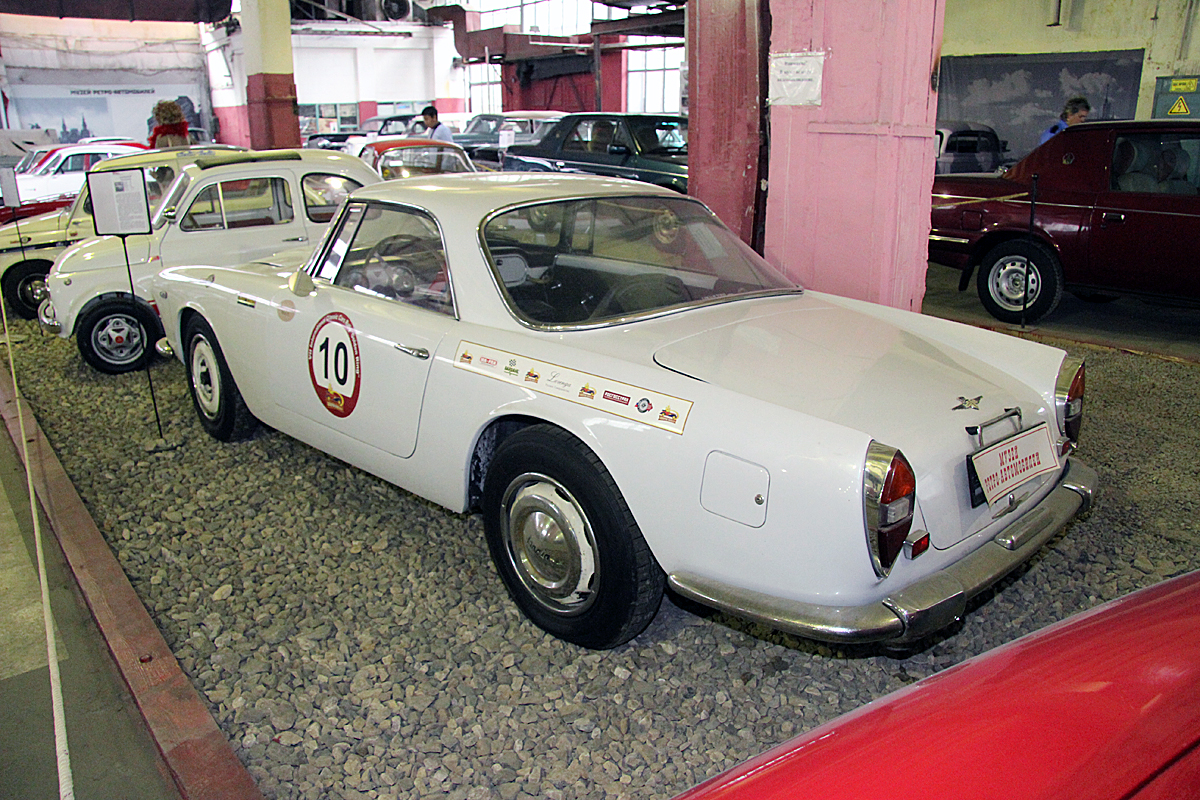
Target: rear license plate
1001	467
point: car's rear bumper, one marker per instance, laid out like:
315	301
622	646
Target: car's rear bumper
922	607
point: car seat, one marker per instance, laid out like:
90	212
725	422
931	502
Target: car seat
1133	166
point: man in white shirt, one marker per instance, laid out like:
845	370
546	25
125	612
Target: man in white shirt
434	129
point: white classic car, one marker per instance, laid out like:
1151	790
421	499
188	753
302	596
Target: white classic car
223	209
62	173
633	398
27	250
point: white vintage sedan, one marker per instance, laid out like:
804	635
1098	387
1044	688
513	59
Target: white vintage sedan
635	399
224	208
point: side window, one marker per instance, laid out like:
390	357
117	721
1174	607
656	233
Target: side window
75	163
204	214
595	135
395	253
254	202
1158	163
323	194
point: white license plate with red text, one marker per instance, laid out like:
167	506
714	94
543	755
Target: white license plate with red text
1007	464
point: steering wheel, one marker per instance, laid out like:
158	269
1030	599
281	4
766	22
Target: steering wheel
388	267
641	293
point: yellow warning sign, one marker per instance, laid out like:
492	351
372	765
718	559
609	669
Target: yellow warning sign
1180	107
1183	84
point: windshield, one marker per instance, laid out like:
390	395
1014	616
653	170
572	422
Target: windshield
581	262
171	199
484	125
373	125
50	164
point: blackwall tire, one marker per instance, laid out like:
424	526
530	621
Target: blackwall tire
117	336
565	543
19	284
1001	281
218	403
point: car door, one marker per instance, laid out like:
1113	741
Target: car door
355	356
1145	228
600	145
233	220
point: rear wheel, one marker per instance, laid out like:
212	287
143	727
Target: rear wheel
564	542
1002	281
21	282
219	404
116	336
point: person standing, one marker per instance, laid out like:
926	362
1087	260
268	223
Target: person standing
435	129
171	128
1075	111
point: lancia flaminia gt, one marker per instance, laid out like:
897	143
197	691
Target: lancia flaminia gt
634	399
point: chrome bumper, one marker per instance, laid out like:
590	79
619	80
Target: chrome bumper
921	608
47	318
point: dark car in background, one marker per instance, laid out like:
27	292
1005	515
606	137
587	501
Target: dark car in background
485	129
643	147
1117	212
969	147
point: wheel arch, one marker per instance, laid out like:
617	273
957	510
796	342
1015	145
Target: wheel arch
993	238
106	297
489	439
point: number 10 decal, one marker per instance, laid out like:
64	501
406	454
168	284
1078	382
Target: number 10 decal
333	363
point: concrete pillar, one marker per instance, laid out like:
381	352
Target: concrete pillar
850	178
270	87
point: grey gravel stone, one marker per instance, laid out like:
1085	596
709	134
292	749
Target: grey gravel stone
354	641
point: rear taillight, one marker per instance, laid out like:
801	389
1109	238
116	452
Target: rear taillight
889	499
1068	397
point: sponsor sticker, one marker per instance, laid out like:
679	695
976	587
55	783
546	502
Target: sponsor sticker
334	365
613	397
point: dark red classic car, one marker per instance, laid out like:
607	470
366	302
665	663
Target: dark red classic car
1117	212
1102	706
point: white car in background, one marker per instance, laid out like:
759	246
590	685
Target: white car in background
62	173
220	210
633	398
27	250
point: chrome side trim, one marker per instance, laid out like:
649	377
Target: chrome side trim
933	237
921	608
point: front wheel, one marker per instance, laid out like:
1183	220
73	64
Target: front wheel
219	404
1002	280
565	543
20	285
116	336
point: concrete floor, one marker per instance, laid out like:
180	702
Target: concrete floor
1126	324
111	753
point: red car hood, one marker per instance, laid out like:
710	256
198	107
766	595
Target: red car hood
1101	706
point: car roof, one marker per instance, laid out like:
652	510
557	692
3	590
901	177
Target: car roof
1139	124
162	156
533	114
383	145
477	194
267	156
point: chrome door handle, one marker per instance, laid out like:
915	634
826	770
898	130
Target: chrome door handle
297	239
560	164
415	352
1112	218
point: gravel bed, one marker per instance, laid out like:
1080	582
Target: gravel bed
353	641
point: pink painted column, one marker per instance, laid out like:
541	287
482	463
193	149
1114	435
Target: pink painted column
850	178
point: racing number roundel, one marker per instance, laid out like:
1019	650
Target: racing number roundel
333	363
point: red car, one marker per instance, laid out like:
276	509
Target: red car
404	158
1101	706
1117	212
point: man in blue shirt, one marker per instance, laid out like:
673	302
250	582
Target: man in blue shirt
434	129
1075	111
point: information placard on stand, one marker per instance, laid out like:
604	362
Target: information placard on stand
120	206
8	187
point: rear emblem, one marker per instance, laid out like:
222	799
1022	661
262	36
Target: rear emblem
967	403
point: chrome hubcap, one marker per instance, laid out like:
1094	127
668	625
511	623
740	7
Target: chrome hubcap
1007	283
550	543
118	339
206	383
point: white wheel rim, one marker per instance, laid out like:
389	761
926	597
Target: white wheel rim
1007	283
549	543
206	377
